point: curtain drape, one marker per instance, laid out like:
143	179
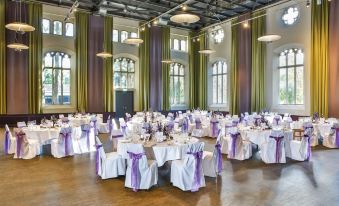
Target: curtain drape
319	57
193	64
3	97
166	55
333	109
258	27
35	58
108	65
201	84
81	46
234	94
144	74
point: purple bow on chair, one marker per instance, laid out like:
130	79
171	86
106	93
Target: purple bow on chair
170	126
184	126
97	158
234	138
135	173
198	124
64	120
336	136
278	148
197	171
19	139
219	157
86	130
214	127
94	123
235	123
277	120
6	143
65	134
257	121
308	142
123	129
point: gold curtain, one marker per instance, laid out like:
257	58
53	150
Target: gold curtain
144	52
201	84
234	94
35	58
258	28
193	63
81	46
319	57
3	97
108	65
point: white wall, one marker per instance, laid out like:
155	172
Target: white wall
294	36
223	52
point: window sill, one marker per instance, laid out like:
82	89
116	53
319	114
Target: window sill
126	89
174	50
58	109
221	107
179	107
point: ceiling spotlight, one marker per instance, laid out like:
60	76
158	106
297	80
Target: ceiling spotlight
155	22
142	28
193	40
198	39
308	3
149	25
245	24
184	7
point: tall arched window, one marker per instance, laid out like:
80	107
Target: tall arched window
56	79
123	76
177	84
219	82
291	77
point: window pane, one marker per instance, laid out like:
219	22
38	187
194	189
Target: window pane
290	57
57	26
134	35
300	57
181	96
183	45
290	86
123	80
116	80
176	44
66	62
224	89
282	86
56	87
215	89
300	85
116	65
115	35
219	88
215	70
66	86
45	26
124	65
171	90
219	36
219	67
124	35
130	80
48	61
57	60
69	29
282	60
224	66
131	66
47	86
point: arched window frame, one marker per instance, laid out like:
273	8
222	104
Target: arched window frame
219	74
177	75
119	73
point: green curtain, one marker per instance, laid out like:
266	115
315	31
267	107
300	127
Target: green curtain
234	94
35	58
258	28
201	84
319	57
3	99
108	65
166	54
193	63
81	46
144	52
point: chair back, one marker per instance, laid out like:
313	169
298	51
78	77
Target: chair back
61	116
137	149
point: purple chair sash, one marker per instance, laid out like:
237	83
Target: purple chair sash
66	135
214	127
6	143
198	124
235	123
197	171
308	152
86	129
278	148
277	120
337	137
123	129
219	157
135	173
19	139
234	138
97	158
184	127
257	121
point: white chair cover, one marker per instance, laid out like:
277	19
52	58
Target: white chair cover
25	148
237	147
21	124
187	174
140	173
308	128
300	150
85	142
331	140
63	146
105	128
9	141
212	161
273	151
108	165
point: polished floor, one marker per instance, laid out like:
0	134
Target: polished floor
72	181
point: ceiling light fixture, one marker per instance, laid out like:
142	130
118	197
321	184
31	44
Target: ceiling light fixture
245	24
18	25
206	50
184	7
133	41
185	18
104	55
269	38
167	61
17	46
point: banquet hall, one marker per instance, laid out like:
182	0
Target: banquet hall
163	102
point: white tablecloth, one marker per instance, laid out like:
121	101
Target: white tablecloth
259	137
162	152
